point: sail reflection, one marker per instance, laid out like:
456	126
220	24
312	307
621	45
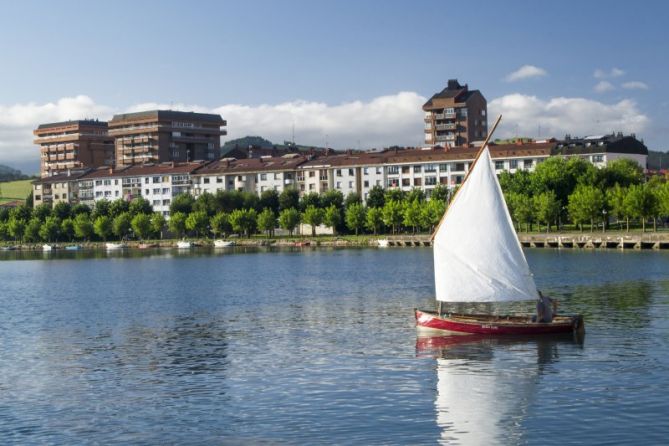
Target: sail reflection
485	385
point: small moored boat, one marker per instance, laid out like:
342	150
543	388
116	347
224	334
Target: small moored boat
147	245
223	243
184	244
46	247
478	258
114	246
383	243
73	247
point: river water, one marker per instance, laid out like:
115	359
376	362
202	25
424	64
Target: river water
318	346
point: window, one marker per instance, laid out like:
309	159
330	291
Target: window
350	172
115	182
156	191
482	112
406	169
156	202
528	163
378	171
430	168
302	187
338	172
597	158
393	170
458	179
338	185
116	193
166	190
219	179
107	182
146	180
499	165
417	181
311	186
38	197
378	182
393	182
166	202
513	164
443	167
205	180
459	167
98	194
156	180
416	169
55	197
430	181
146	192
350	184
365	170
263	177
366	183
98	182
312	174
406	182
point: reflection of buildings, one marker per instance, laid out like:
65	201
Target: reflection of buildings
485	387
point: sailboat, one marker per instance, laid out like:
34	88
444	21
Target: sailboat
478	258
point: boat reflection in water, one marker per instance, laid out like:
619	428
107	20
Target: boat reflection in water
485	384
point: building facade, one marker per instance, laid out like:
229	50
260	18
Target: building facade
456	116
72	145
159	136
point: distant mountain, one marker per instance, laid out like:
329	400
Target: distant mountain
236	146
9	174
658	160
244	143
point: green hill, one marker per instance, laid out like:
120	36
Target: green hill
9	174
15	190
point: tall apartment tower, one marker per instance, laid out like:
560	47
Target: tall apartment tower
158	136
72	145
456	116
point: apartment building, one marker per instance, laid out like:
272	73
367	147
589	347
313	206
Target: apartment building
159	136
456	116
600	150
249	174
72	145
346	173
57	188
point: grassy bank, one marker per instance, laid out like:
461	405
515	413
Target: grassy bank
15	190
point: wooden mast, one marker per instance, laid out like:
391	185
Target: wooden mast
478	155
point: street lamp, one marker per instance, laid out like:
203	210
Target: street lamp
603	220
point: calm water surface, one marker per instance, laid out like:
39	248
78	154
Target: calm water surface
319	347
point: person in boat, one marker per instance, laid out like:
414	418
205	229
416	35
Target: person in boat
545	309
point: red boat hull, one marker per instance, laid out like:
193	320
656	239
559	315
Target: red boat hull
496	325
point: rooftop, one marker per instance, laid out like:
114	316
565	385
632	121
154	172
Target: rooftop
167	115
78	122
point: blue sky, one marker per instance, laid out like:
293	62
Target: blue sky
335	70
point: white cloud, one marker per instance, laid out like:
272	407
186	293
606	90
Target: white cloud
603	74
635	85
525	72
380	122
604	86
523	115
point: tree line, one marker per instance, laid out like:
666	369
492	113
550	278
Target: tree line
573	191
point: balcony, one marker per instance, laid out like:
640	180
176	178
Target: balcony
446	126
449	115
288	181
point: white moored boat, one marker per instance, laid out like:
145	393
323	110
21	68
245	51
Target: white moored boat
47	247
223	243
184	244
383	243
112	246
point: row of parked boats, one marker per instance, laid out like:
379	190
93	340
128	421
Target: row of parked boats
111	246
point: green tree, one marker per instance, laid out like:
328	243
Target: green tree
62	210
207	203
103	227
523	209
310	199
376	198
586	203
21	213
198	222
42	211
80	208
83	227
16	227
356	216
312	216
220	224
140	205
177	224
228	201
122	225
49	229
157	224
432	212
67	229
334	198
182	203
118	207
244	221
615	198
440	193
141	225
623	172
663	200
374	220
394	195
289	198
4	230
546	208
412	214
289	219
267	221
352	198
31	232
251	201
101	208
332	217
415	194
641	203
269	199
393	214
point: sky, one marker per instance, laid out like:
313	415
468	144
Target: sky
352	74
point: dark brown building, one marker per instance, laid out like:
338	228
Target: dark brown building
456	116
164	135
73	145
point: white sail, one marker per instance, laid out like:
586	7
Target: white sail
477	254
